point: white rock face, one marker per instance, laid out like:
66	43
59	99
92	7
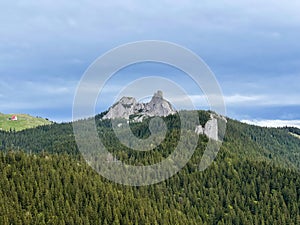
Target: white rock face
211	128
122	109
158	106
199	130
128	106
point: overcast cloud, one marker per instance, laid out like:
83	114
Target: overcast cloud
252	47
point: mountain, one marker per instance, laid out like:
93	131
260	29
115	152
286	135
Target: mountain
254	179
19	122
276	145
129	108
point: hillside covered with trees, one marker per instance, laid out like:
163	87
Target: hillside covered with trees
255	179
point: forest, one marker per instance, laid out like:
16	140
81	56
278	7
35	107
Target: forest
253	180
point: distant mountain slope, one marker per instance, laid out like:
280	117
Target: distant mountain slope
275	145
21	122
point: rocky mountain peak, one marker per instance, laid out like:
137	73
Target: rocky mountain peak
128	106
128	101
158	94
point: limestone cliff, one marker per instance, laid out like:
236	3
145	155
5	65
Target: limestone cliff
211	129
128	106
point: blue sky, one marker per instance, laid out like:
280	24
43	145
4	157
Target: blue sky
252	47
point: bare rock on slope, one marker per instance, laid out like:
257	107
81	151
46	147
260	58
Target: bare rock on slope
128	106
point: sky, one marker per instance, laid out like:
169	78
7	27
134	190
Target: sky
252	47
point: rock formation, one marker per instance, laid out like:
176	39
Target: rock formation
128	106
199	130
122	109
211	129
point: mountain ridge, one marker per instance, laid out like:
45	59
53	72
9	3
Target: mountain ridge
129	108
270	144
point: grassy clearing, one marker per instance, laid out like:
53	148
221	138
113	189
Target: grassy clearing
24	121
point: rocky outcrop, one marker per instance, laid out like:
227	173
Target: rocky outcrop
128	107
211	129
158	106
199	130
122	109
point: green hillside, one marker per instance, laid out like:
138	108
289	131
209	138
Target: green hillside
60	189
254	179
276	145
24	121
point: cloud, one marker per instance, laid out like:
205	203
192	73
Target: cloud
257	45
50	93
274	123
262	100
236	100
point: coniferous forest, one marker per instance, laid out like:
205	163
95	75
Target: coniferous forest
254	179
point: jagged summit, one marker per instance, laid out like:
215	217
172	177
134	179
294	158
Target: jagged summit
158	94
128	106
